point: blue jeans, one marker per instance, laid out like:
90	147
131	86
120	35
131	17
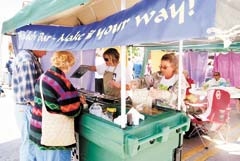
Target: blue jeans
9	79
52	155
27	151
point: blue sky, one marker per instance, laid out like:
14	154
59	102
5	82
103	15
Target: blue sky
9	8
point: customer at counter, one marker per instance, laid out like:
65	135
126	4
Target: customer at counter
217	80
111	71
57	103
26	70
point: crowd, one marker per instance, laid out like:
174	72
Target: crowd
47	102
40	103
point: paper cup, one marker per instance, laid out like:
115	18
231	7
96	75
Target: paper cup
85	106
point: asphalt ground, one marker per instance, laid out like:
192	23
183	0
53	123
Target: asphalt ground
9	134
218	150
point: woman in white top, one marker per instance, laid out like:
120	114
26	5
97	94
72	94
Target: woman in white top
111	71
165	82
216	81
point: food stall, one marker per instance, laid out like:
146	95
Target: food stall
160	133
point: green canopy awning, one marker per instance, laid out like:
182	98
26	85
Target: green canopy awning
37	10
68	13
83	12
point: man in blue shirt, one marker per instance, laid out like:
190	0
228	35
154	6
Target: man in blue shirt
26	71
216	81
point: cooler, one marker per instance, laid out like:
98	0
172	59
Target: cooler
158	137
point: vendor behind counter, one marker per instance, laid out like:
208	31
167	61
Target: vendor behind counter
163	85
111	72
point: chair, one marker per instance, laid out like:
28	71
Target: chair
215	117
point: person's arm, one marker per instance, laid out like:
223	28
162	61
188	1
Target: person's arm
63	97
117	83
92	68
207	84
100	69
170	96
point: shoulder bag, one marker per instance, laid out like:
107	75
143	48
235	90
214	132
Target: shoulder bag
57	129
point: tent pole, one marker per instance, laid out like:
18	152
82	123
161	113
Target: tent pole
123	78
180	69
123	86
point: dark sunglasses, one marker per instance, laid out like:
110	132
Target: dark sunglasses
105	59
163	67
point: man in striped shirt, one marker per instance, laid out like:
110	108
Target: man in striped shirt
26	70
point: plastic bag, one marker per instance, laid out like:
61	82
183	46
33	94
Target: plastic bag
96	109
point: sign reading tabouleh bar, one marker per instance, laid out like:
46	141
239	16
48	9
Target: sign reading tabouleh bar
147	21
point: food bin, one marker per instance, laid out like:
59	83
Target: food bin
158	137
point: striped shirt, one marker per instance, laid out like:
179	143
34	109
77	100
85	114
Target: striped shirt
60	97
26	70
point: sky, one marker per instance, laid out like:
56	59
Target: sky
8	10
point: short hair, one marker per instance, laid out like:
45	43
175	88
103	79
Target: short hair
63	59
216	73
113	53
172	58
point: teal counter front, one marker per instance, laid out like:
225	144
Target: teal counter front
157	138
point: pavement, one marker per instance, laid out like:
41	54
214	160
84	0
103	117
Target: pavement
218	150
9	134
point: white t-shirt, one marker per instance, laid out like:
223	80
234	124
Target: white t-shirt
103	67
166	83
213	82
98	62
